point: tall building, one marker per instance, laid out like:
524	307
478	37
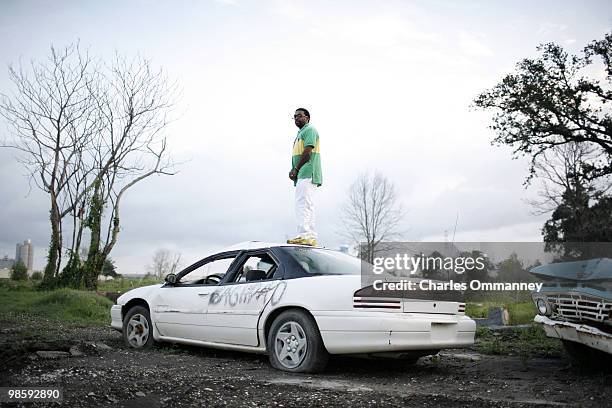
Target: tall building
25	254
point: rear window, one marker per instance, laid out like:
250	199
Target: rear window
325	262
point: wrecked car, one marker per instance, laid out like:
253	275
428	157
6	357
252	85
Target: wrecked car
575	306
298	304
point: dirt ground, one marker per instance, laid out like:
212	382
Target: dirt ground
107	373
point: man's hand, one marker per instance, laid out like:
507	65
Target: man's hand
293	174
305	157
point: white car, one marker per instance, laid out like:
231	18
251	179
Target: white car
297	304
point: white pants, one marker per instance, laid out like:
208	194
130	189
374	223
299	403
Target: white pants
304	209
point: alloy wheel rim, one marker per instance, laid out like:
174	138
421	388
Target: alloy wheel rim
138	330
290	345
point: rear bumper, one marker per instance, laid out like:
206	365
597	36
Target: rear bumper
379	332
579	333
116	318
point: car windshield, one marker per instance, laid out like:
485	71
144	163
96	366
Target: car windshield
324	261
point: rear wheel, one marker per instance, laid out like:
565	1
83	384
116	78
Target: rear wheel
138	328
295	344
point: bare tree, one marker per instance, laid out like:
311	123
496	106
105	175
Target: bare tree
87	133
164	262
135	107
560	172
371	214
53	118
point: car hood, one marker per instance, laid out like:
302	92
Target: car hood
598	269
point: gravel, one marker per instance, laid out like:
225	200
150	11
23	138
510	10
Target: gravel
95	368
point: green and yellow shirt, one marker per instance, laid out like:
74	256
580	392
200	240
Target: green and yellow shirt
308	136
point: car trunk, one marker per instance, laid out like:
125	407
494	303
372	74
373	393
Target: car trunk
431	302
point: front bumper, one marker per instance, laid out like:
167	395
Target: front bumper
116	318
579	333
393	332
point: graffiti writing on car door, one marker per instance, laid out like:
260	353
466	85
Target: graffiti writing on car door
246	294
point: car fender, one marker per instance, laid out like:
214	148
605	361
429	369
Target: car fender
314	294
144	294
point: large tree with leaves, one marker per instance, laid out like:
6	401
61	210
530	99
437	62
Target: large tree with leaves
577	225
554	100
555	109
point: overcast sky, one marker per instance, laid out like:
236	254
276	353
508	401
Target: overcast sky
388	87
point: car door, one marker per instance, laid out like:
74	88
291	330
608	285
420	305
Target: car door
236	305
179	310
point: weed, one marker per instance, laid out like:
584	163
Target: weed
524	342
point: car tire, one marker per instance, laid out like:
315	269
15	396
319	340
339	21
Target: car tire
295	344
138	328
588	357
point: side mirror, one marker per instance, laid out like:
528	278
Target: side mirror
170	278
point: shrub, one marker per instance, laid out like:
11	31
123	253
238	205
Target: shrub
19	271
37	275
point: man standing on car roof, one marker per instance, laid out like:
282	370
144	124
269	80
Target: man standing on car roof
306	176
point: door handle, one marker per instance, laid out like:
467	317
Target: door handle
203	294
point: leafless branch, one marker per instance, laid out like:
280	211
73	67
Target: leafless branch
371	214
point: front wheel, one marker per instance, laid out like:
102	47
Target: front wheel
587	357
295	344
138	328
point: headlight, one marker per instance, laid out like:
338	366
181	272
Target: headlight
542	307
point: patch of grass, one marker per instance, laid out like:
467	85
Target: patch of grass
498	297
525	342
13	285
488	343
477	310
124	284
67	305
520	313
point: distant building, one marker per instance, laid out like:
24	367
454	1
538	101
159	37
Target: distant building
6	262
25	254
5	267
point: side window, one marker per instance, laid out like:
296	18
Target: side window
215	269
254	268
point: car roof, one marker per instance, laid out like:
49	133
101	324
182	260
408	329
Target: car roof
258	245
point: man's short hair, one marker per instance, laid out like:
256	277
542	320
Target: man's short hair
304	110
